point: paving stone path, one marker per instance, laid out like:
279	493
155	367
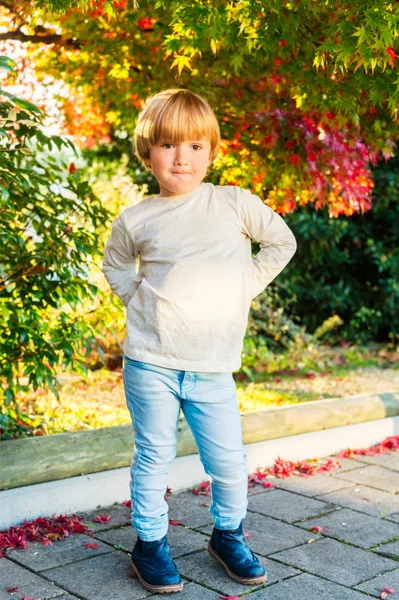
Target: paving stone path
355	556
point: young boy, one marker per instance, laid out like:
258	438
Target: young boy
187	306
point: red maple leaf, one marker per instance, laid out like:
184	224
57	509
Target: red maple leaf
316	528
294	159
386	592
102	519
11	590
204	489
145	23
46	543
171	522
127	503
94	546
392	54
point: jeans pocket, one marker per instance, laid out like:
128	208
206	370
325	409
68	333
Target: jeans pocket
136	363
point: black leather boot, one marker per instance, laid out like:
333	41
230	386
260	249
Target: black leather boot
154	567
229	548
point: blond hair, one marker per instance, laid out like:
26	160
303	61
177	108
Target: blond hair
174	115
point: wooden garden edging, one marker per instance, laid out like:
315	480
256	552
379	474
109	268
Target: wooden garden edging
53	457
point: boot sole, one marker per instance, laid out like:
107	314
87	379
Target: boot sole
243	580
160	589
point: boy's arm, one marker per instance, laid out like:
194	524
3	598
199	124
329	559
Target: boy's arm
276	240
119	264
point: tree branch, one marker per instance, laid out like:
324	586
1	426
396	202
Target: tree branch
50	38
10	4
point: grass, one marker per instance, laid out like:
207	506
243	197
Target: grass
272	380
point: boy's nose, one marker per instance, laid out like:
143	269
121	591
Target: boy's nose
180	157
180	160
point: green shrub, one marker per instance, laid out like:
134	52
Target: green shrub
48	240
349	266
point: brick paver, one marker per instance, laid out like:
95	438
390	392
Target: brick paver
355	556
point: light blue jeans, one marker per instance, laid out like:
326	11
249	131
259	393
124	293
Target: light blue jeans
154	397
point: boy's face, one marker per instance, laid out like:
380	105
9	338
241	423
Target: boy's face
179	168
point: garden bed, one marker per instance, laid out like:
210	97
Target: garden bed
295	377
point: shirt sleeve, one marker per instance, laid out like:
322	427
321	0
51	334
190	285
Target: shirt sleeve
120	260
277	242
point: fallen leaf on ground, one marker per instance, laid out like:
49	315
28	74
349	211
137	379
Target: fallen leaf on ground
316	528
203	489
92	546
390	443
46	543
11	590
386	592
102	519
40	530
171	522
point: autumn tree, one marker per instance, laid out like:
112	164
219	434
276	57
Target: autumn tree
306	93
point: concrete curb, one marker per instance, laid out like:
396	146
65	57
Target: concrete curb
89	492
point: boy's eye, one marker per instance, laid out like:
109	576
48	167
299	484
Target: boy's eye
168	144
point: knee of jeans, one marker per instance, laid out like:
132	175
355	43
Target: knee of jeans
227	473
154	459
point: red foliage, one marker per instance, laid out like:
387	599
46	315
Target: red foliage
390	443
333	161
392	55
40	530
102	519
287	468
146	23
204	489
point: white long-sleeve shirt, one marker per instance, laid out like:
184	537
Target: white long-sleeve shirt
188	296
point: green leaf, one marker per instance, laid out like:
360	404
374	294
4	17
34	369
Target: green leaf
22	103
236	62
248	372
9	396
361	34
7	64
